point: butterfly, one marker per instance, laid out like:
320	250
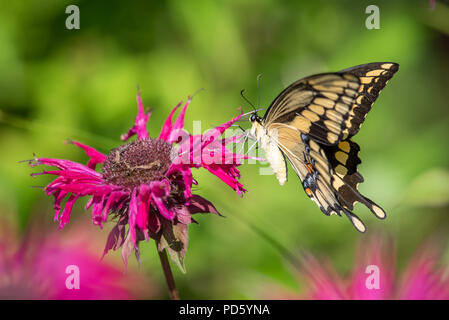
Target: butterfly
311	124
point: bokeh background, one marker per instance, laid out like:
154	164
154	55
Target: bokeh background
58	84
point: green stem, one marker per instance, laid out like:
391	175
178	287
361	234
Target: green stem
174	295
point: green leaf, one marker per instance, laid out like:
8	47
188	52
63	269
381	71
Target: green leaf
174	238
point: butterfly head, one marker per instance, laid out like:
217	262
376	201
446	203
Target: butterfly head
257	129
254	117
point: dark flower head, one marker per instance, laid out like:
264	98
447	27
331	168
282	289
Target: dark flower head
138	162
146	184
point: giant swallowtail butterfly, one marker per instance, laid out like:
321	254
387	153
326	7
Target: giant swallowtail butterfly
312	122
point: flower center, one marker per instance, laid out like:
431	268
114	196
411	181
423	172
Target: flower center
137	162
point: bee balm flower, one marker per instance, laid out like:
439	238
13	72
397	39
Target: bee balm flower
146	184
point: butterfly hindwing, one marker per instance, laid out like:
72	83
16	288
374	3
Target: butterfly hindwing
331	107
310	163
343	159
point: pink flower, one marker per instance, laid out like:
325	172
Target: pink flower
42	266
373	277
147	183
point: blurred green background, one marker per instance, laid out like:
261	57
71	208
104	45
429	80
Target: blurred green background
57	84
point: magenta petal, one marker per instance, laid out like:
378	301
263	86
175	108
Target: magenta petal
143	208
65	216
218	131
95	157
167	127
59	196
228	177
133	216
111	202
187	177
323	283
97	210
423	280
140	125
159	190
179	123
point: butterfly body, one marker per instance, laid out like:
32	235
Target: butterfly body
311	123
275	157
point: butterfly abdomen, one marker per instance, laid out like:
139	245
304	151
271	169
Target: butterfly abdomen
275	158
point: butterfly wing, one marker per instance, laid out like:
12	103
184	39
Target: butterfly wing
331	107
318	177
328	174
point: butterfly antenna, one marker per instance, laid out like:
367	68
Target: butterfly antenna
246	99
258	89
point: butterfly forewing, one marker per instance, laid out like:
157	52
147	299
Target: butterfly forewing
331	107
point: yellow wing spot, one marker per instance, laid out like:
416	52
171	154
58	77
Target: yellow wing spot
378	212
359	99
386	65
301	123
347	100
375	73
333	89
369	89
333	126
337	182
353	85
350	92
330	95
324	102
334	115
361	88
341	170
342	108
312	116
313	145
325	78
317	109
345	146
341	157
348	123
358	224
340	83
349	77
366	80
332	137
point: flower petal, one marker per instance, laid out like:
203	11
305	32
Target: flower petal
168	126
140	125
95	157
160	190
65	216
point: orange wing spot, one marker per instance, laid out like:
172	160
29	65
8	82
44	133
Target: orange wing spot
309	192
310	168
